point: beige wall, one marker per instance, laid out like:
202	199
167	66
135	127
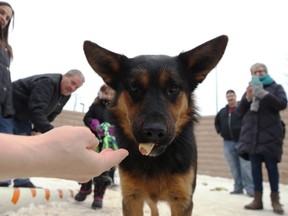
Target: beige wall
211	159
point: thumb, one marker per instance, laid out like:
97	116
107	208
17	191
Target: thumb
92	142
111	157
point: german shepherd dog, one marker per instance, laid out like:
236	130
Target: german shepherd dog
154	107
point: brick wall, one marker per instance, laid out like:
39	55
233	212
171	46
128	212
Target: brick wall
211	160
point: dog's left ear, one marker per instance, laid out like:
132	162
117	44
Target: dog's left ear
202	59
104	62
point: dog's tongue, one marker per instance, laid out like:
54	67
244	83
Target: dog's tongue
146	148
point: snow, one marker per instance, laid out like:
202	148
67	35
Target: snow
211	198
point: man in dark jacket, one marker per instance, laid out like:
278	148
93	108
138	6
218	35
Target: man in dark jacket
38	100
262	133
228	125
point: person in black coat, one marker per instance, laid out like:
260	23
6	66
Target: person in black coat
6	55
97	116
38	100
261	138
228	125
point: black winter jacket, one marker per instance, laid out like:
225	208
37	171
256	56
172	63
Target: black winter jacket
97	111
38	99
228	125
6	102
262	131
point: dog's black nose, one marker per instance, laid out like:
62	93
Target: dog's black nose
154	132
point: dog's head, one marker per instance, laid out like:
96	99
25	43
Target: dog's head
154	92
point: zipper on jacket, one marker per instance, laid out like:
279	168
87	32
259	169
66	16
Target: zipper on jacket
229	124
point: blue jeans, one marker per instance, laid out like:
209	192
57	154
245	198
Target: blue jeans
240	168
272	170
6	126
22	128
11	126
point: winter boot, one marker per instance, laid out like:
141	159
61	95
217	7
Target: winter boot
277	207
111	173
85	190
101	182
257	203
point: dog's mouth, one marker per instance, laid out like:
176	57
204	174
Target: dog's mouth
151	149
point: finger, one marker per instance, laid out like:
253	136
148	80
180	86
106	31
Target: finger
112	158
106	150
92	143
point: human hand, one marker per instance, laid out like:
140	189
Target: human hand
255	104
67	152
95	126
255	81
259	92
34	133
249	93
111	130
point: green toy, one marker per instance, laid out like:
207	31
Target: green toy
108	141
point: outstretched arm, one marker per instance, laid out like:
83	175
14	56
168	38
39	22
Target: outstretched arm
64	152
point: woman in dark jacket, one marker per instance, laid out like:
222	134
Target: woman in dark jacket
6	55
262	135
94	119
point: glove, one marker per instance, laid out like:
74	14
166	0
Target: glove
111	130
95	126
259	92
255	81
255	104
94	123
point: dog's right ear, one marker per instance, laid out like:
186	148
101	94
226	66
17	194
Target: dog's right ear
105	63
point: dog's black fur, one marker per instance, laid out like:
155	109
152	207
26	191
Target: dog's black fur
154	103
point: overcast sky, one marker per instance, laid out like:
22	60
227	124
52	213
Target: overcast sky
48	37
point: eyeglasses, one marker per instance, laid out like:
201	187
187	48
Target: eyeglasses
259	71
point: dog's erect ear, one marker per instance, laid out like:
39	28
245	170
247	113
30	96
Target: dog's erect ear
202	59
104	62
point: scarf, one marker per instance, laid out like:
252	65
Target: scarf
266	79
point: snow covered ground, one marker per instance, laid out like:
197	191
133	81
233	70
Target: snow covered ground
211	198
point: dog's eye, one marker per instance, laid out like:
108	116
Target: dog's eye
133	88
172	89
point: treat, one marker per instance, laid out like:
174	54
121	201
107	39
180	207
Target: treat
146	148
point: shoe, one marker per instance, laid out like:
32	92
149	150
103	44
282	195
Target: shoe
26	185
236	192
257	203
112	185
97	203
4	184
85	190
250	194
81	196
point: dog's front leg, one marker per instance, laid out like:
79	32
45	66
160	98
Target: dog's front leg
181	208
180	195
132	205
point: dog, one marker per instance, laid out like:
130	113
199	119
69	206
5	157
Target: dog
153	112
